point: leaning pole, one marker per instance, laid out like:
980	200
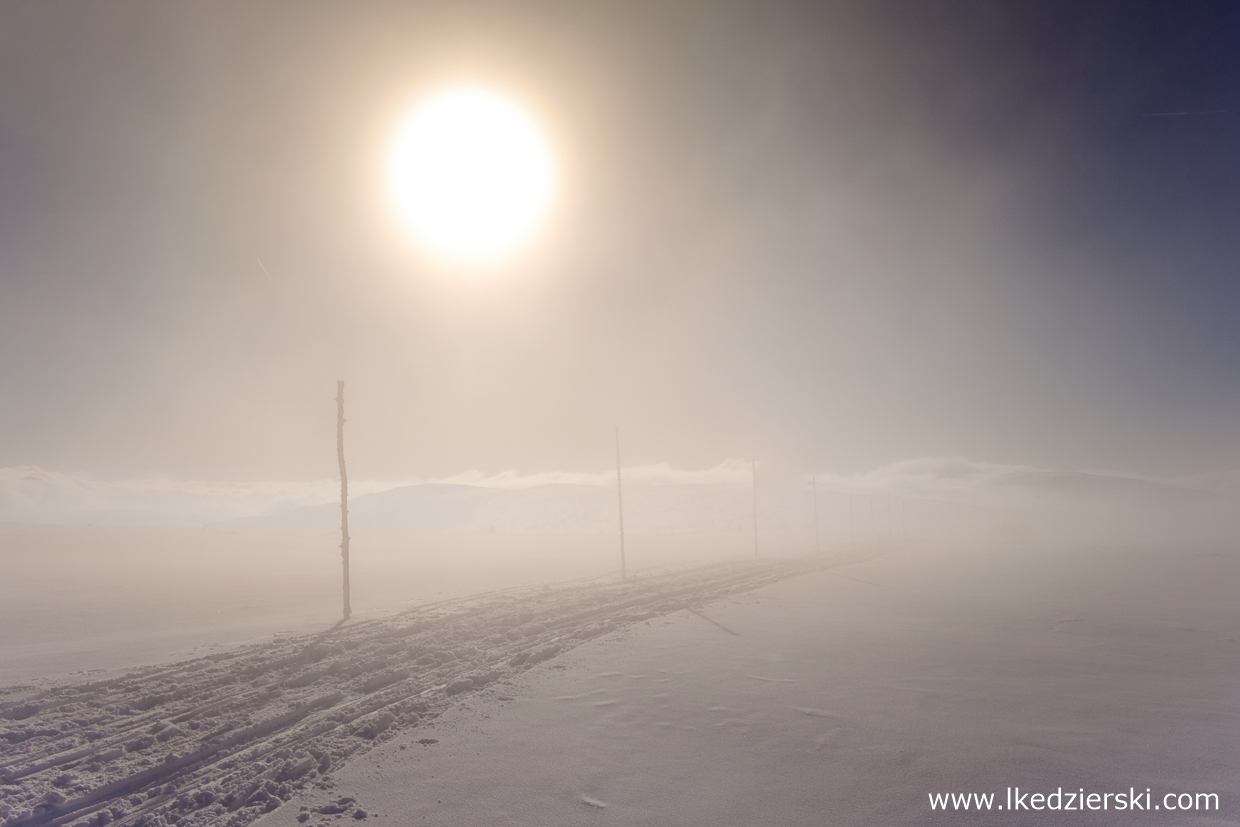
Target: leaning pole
344	495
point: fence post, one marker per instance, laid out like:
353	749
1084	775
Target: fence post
344	495
813	487
753	467
620	503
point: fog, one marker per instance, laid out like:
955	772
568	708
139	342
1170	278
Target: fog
111	575
928	498
834	235
904	332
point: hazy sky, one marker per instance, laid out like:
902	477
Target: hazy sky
834	235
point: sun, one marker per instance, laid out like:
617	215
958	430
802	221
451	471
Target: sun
471	174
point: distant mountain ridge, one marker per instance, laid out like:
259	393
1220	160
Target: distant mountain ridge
658	499
560	508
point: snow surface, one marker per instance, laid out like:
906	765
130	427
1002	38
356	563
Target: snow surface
840	689
223	738
829	700
83	598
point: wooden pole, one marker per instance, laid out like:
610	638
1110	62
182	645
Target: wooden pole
620	503
753	467
344	495
813	487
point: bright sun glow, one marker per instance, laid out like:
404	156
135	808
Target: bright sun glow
471	174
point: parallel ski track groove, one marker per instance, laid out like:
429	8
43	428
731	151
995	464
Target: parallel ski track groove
316	717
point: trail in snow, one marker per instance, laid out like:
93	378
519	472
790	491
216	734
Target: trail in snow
222	739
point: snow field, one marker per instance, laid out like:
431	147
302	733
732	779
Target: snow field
225	738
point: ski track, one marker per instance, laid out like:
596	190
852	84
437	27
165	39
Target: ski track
223	739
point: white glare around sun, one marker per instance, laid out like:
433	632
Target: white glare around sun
471	174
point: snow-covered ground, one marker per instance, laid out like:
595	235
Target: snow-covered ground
838	689
199	740
83	598
829	699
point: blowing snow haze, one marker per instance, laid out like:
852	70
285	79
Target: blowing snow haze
832	236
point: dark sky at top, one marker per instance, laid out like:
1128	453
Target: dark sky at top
829	234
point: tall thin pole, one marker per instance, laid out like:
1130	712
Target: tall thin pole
813	486
344	495
620	503
753	467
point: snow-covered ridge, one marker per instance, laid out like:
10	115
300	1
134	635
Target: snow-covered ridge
546	509
30	493
659	499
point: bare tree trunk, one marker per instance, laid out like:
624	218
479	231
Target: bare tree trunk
620	503
344	495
